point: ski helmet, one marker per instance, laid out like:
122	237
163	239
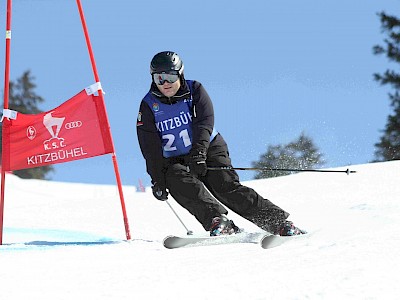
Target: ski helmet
165	62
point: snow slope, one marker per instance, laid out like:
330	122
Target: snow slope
66	241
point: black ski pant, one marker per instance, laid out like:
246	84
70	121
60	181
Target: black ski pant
198	194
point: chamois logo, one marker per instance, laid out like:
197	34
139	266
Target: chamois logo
53	125
49	122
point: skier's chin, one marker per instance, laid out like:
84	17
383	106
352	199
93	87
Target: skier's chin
168	92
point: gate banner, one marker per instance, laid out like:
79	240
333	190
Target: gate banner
77	129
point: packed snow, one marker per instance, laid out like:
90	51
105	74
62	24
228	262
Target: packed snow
67	241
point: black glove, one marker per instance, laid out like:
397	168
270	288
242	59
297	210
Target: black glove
197	163
160	192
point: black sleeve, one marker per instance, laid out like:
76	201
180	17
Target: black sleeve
203	118
150	143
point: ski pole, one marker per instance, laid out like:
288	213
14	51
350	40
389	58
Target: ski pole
277	169
188	232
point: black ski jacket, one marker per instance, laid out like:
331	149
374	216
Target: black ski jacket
149	138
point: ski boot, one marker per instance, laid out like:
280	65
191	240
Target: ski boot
223	226
288	229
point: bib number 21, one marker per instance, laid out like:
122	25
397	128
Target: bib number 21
170	145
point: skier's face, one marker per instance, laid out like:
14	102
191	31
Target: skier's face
169	89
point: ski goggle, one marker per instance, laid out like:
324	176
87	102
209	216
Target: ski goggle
160	79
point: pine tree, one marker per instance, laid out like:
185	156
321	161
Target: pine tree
388	148
299	154
22	98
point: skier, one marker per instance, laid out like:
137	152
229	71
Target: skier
177	137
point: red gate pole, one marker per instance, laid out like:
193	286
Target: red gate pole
114	157
6	94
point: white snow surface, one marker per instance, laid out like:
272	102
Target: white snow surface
67	241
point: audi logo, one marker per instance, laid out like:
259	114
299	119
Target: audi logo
72	125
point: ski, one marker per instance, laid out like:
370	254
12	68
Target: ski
173	241
271	241
265	240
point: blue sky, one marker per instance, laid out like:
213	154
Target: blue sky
274	69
